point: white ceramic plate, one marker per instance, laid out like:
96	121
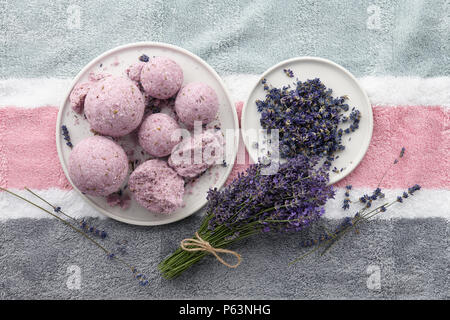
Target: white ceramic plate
115	62
332	76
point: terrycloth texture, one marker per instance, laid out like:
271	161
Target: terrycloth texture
424	132
399	51
46	38
29	157
409	254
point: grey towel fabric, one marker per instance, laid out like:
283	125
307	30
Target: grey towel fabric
400	259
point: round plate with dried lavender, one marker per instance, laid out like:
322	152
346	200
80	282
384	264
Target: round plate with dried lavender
73	127
309	106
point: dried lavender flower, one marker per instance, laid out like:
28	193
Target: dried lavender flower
66	135
144	58
307	117
289	73
347	201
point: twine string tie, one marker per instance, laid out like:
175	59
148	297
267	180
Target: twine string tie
198	244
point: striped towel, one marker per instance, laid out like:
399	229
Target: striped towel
399	52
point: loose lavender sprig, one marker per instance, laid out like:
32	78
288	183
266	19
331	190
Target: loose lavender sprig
359	218
367	200
376	194
65	133
327	235
143	280
82	224
346	202
402	153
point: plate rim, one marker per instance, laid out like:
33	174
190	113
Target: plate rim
94	61
358	160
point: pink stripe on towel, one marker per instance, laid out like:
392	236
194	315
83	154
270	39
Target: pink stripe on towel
424	132
28	156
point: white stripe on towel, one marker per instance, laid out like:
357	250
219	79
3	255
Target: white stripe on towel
385	91
426	203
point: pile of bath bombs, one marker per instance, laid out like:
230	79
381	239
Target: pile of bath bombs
115	106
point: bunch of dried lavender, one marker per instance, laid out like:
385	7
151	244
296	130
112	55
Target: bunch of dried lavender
286	201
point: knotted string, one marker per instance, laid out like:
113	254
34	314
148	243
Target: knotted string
201	245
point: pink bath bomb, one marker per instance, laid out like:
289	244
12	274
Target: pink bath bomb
156	133
78	95
114	106
195	155
161	77
98	166
134	71
157	187
196	101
